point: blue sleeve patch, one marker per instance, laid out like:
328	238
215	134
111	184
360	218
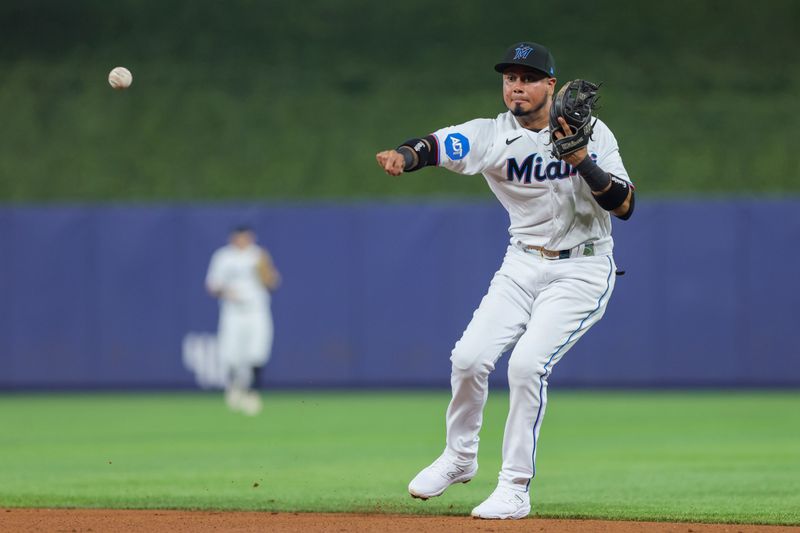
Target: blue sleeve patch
456	146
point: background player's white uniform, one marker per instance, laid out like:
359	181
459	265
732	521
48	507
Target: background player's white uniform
537	305
245	320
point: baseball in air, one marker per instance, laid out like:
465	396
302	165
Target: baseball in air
120	78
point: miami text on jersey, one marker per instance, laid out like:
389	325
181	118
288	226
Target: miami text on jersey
532	166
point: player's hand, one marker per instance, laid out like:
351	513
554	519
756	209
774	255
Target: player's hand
577	156
391	161
229	295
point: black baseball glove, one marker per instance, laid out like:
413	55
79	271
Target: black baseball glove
574	102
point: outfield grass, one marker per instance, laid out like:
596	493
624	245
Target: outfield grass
700	456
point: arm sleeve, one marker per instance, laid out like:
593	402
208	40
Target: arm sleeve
214	277
607	150
465	148
269	275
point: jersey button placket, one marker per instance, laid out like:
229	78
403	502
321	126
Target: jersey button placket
554	203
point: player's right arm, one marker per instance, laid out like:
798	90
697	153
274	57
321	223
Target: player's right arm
215	278
461	148
409	156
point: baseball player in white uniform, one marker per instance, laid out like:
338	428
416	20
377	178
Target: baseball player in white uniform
241	275
555	280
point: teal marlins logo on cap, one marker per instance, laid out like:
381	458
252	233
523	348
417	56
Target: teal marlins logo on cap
528	54
522	52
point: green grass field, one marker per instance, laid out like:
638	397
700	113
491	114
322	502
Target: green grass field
699	456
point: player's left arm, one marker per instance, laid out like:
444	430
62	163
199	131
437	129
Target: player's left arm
611	192
267	272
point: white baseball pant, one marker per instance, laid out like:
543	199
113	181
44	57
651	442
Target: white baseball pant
539	307
245	342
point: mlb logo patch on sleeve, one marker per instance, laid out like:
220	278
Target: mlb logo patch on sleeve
456	146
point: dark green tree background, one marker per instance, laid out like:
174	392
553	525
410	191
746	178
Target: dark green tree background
290	100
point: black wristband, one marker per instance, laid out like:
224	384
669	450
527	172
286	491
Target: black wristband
594	176
631	205
419	153
408	157
615	196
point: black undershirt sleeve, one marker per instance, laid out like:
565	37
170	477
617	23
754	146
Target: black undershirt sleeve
419	153
597	179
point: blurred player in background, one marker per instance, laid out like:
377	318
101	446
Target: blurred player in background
241	275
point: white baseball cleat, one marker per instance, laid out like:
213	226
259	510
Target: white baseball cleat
250	403
503	503
247	402
443	472
233	399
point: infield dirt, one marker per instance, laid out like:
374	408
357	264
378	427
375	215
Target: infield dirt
101	520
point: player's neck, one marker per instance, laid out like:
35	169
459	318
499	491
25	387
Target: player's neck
536	122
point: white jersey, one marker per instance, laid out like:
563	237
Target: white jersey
548	203
234	272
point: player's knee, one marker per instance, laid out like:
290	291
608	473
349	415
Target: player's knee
523	372
467	360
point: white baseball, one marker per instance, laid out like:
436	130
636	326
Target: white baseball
120	78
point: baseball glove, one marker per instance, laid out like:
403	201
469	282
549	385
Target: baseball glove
575	102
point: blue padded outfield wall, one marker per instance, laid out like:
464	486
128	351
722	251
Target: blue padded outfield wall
376	294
